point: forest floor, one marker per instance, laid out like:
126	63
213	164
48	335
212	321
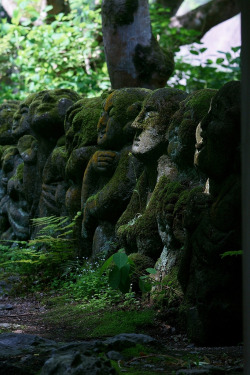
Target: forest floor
55	318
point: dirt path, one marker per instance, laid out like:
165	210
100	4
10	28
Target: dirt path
22	315
26	315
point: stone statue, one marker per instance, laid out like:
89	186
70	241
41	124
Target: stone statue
178	177
137	228
111	173
81	135
21	122
7	110
13	206
46	115
212	285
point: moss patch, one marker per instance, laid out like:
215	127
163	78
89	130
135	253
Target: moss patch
81	322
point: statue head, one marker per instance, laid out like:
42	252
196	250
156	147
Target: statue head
218	134
7	110
48	109
181	132
152	122
21	121
119	110
81	122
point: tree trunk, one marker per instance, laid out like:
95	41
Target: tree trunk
207	16
133	56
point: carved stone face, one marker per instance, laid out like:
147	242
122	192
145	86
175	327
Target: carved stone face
81	123
21	121
181	133
147	124
218	134
7	111
108	129
120	109
152	122
48	109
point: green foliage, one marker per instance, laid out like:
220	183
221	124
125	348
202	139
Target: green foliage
190	75
121	269
47	255
68	53
81	321
63	54
209	74
231	253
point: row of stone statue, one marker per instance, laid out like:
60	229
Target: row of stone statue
156	172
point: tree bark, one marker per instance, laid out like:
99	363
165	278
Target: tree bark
133	56
207	16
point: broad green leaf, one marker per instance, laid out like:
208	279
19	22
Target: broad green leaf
115	278
152	271
144	286
120	259
105	265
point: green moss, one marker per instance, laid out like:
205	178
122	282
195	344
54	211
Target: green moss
85	124
136	206
25	143
145	222
2	150
120	100
19	173
181	133
82	322
185	196
9	152
59	153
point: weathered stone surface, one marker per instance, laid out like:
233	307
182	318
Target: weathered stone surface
77	363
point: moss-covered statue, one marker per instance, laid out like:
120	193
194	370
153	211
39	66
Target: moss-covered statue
14	208
46	116
111	172
212	285
178	178
81	136
7	111
137	228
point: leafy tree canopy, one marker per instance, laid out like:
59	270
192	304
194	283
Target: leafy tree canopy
68	52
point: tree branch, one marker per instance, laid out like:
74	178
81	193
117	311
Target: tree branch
207	16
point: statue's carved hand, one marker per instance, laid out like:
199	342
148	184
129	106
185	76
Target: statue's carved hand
104	161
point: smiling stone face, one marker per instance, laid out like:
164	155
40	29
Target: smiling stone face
48	109
218	134
152	122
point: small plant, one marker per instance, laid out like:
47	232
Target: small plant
121	269
47	255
